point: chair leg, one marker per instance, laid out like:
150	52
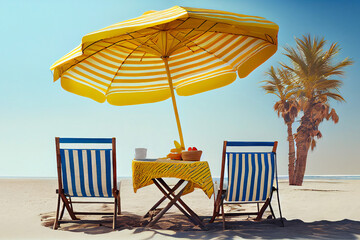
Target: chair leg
115	211
56	222
223	216
71	205
215	213
262	210
281	218
68	206
119	204
62	211
272	211
119	199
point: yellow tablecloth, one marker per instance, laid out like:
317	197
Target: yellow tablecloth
197	173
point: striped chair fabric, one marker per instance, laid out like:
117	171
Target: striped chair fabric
87	172
251	176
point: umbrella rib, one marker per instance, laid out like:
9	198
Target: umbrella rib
79	61
115	43
212	54
267	37
188	40
180	42
208	30
175	37
112	80
157	27
144	43
192	29
104	47
204	31
182	22
176	44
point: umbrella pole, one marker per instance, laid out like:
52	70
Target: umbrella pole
165	59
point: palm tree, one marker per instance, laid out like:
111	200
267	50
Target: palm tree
282	85
315	70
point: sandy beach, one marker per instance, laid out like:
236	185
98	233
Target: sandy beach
326	209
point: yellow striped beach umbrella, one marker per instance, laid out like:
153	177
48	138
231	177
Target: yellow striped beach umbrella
143	60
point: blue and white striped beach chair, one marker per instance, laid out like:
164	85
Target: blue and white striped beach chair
250	178
86	168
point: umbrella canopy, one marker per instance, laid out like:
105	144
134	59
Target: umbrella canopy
143	60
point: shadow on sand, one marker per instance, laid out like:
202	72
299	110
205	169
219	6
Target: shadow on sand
266	229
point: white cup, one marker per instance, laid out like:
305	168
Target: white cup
140	153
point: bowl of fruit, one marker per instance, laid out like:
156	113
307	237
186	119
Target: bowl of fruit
192	154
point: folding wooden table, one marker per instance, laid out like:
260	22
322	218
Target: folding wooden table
196	173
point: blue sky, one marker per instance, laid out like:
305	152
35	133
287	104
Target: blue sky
34	109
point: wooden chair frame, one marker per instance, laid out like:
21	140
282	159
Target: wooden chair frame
221	193
67	202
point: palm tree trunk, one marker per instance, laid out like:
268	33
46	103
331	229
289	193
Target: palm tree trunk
300	166
302	147
291	154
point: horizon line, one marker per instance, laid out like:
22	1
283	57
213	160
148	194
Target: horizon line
216	177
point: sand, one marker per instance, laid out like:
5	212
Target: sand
317	210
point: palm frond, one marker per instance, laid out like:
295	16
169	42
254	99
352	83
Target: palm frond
332	95
337	69
327	84
312	66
